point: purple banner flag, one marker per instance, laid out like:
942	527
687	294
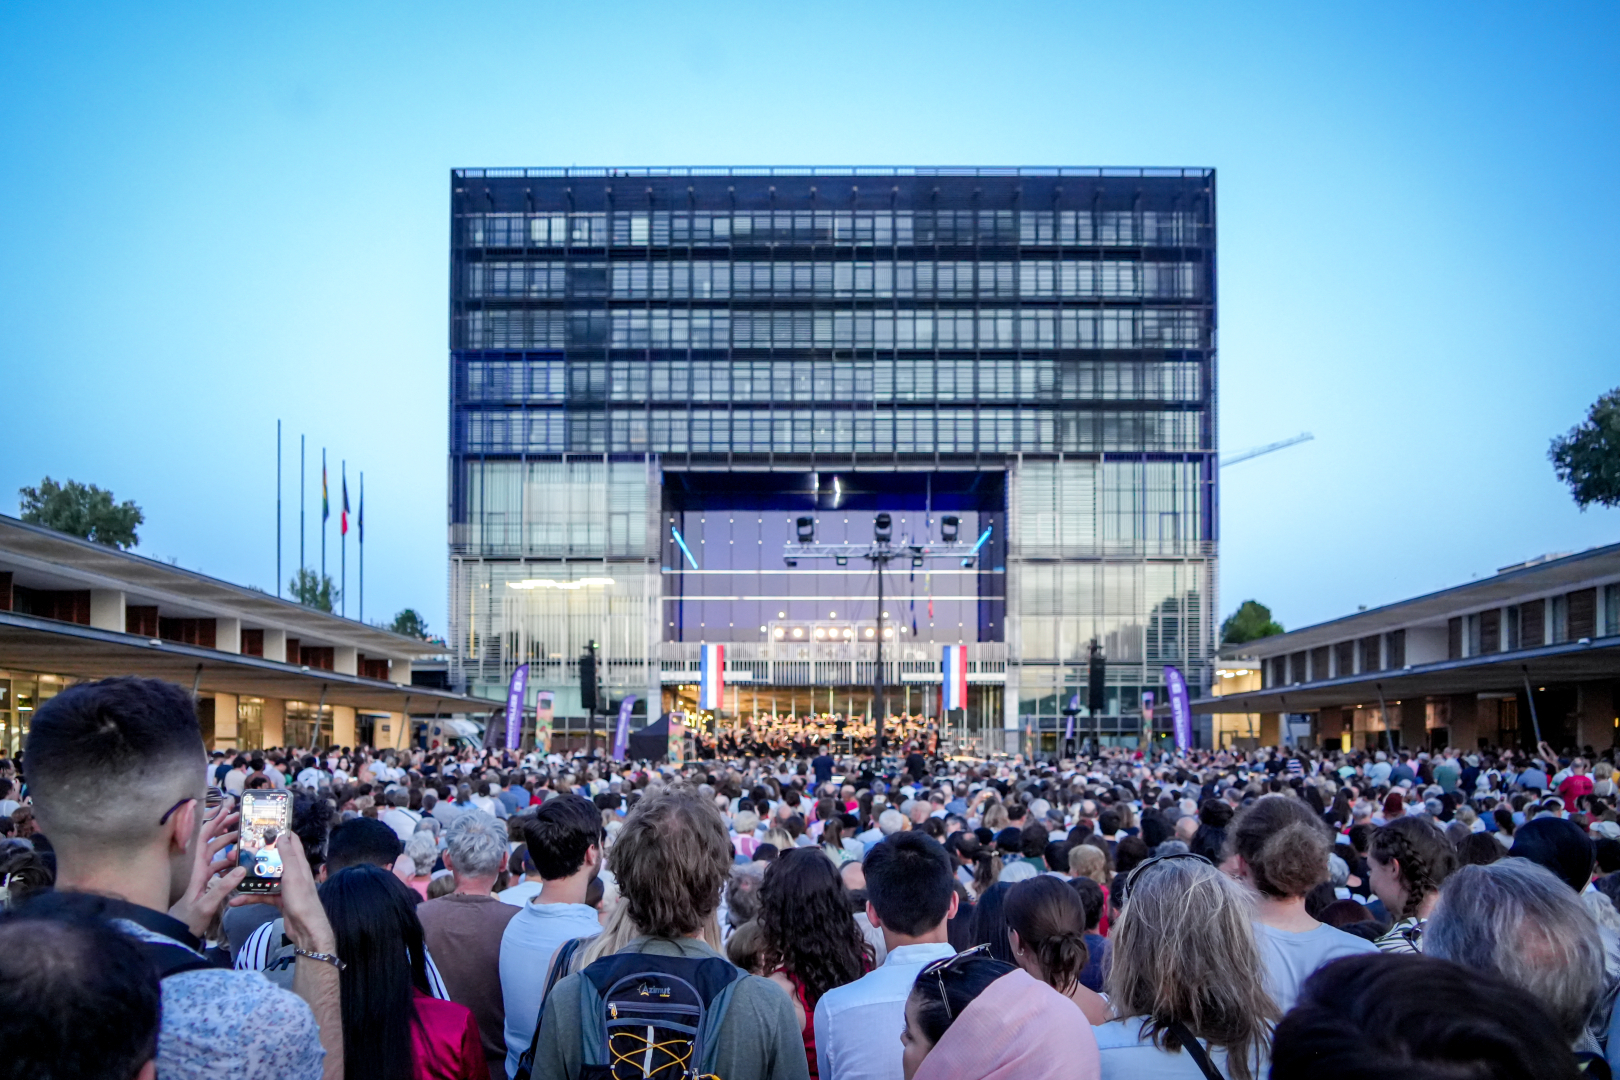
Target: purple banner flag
621	734
1180	707
514	706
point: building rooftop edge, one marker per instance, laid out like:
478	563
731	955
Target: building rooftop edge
538	172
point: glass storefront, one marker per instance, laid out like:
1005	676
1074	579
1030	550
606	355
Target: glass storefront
21	693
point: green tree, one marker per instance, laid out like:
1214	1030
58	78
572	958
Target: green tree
82	510
314	590
1250	622
1588	457
409	623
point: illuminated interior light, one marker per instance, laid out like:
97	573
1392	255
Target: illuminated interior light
552	583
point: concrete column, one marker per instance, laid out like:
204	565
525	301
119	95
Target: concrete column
1270	729
275	717
275	648
225	729
1597	705
399	671
107	610
393	732
228	635
1413	719
1463	712
343	723
346	660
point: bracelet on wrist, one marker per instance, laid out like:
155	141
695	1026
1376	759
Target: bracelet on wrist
323	957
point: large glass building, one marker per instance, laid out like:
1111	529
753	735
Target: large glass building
654	372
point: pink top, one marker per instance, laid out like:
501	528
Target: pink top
1018	1029
446	1041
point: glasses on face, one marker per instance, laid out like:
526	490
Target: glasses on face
1134	875
939	967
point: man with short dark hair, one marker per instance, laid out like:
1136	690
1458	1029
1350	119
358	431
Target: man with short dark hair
116	771
564	839
911	897
78	1001
670	859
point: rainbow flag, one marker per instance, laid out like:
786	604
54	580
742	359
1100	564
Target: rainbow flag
326	508
712	678
343	517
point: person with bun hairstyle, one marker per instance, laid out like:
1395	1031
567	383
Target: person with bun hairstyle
1279	847
1046	928
1407	860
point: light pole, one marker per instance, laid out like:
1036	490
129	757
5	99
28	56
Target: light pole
880	552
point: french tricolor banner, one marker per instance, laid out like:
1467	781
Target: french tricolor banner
712	679
955	667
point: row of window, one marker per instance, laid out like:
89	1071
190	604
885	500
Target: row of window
826	380
1145	328
824	431
662	228
964	279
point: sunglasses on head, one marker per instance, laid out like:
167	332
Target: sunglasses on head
939	967
1135	874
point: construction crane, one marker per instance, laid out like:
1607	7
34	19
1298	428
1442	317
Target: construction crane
1245	455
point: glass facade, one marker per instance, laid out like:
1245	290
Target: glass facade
645	355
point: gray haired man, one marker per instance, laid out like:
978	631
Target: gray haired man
463	930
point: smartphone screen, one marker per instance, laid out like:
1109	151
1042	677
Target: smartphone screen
264	820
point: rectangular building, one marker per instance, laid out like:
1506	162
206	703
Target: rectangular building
654	372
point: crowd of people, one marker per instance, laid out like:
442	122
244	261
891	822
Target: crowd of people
796	914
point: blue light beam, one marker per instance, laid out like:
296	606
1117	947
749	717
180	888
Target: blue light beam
676	533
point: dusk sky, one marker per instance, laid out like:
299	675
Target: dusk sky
220	215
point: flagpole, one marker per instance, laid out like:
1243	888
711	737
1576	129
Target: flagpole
301	501
343	543
278	508
324	514
362	545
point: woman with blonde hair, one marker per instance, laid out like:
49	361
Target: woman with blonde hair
1186	981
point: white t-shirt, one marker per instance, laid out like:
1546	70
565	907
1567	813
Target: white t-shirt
1128	1054
1290	958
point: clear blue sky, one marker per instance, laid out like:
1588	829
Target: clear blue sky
212	216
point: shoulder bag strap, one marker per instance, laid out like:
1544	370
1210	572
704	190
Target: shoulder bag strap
1196	1049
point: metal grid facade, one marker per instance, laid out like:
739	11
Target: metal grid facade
1057	325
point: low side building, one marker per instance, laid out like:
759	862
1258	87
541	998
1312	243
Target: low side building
1531	653
266	671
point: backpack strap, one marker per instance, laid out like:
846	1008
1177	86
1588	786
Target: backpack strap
560	960
706	1044
1191	1044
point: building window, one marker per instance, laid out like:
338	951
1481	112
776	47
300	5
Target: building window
1611	611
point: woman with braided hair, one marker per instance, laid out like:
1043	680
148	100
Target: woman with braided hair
1407	860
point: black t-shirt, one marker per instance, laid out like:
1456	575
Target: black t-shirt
915	765
824	768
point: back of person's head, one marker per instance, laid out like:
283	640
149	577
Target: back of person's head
1516	920
1108	822
891	822
742	892
1131	852
475	845
1033	841
1607	851
1284	845
989	927
1050	922
1479	849
908	883
1184	951
1375	1016
1088	860
1558	845
940	999
312	821
804	915
1421	855
380	940
362	841
1091	898
560	833
106	760
670	860
78	1001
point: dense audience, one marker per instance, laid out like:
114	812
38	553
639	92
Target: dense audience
781	911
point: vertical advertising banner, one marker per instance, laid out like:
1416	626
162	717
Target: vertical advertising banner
621	732
1180	707
677	738
543	704
515	692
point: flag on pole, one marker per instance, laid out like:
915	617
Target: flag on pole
343	515
954	695
361	520
326	507
515	691
1180	707
712	678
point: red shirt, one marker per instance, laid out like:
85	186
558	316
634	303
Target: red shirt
1574	786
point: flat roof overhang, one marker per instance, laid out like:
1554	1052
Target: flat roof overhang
1499	673
47	647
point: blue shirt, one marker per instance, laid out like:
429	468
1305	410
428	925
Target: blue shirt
858	1024
527	945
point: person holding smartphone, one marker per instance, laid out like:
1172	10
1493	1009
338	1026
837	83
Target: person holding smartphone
118	776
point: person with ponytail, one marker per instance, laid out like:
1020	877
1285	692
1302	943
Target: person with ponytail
1046	930
1279	847
1407	860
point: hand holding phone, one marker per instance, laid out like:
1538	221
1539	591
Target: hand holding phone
265	819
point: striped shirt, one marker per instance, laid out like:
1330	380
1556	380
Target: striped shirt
267	950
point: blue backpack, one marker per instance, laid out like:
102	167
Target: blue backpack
647	1017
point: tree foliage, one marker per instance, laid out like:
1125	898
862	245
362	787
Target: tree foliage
409	623
1588	457
314	589
1250	622
82	510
